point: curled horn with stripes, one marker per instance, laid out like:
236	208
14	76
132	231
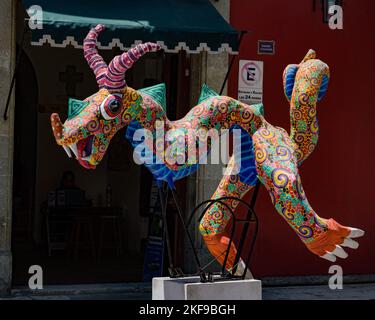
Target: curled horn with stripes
112	77
92	56
121	63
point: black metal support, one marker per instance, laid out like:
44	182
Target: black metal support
243	32
18	59
178	205
210	202
163	195
201	270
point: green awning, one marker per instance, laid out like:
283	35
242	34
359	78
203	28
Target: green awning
191	25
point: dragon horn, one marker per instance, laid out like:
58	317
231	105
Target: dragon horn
92	56
121	63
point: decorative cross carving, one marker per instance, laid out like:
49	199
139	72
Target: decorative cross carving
71	77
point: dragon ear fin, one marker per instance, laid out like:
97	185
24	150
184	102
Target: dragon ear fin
158	93
289	77
75	107
206	93
323	87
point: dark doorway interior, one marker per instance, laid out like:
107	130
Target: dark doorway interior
24	150
72	250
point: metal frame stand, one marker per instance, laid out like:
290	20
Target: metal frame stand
205	276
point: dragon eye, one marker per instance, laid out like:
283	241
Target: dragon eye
111	106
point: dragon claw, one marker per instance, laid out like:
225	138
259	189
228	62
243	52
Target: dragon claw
330	244
356	233
348	242
339	252
352	244
329	256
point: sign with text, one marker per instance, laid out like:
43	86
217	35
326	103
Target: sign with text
266	47
250	81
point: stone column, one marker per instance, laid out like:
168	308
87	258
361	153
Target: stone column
7	54
210	69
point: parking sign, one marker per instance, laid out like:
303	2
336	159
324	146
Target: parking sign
250	81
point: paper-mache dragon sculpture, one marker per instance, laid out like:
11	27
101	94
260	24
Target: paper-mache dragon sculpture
268	153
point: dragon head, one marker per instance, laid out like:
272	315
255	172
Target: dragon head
306	82
93	122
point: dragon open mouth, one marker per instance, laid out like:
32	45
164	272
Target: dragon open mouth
82	150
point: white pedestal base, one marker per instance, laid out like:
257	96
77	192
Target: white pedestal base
190	288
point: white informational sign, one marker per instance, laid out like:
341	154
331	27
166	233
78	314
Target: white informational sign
250	81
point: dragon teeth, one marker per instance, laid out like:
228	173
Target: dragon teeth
73	146
67	150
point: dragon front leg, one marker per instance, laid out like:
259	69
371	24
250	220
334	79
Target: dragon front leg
277	167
